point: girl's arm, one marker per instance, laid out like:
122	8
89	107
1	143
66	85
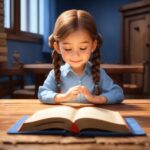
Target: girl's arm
110	93
46	92
96	99
109	89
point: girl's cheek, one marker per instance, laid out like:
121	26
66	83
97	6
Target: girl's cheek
63	53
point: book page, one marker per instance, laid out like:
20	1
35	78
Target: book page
53	112
99	114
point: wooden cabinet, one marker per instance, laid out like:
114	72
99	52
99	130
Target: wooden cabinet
136	36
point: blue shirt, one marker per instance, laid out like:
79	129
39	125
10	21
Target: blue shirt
111	91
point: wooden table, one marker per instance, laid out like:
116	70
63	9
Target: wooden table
12	110
40	71
116	71
13	79
10	71
110	68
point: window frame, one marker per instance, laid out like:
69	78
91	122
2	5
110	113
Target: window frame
14	32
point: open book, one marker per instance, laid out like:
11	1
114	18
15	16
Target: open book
75	120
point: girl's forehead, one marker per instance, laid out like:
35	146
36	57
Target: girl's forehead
78	35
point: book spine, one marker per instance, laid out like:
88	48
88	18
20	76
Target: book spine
74	128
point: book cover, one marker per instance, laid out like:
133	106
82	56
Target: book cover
135	129
75	120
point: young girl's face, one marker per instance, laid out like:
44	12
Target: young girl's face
76	49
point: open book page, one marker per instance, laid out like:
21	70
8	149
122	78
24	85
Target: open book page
54	112
99	114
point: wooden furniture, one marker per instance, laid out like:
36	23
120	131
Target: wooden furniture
23	93
39	71
12	83
132	87
10	80
116	71
136	36
11	111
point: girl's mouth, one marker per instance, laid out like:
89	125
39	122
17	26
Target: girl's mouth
75	61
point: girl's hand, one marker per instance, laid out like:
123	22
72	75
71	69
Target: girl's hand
85	91
72	92
92	98
69	95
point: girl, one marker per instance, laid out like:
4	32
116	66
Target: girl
76	42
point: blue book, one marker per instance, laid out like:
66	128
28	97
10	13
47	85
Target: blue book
133	125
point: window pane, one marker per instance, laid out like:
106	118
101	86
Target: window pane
24	15
41	16
7	13
33	17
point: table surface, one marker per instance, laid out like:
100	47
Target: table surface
110	68
11	71
45	68
12	110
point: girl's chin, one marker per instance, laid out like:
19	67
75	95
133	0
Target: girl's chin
77	65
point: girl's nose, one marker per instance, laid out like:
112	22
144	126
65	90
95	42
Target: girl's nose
75	53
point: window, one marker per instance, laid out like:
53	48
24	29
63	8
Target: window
24	19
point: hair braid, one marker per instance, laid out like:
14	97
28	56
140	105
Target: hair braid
57	64
96	65
57	61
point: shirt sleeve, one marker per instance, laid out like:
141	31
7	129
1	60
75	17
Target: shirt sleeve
109	89
46	92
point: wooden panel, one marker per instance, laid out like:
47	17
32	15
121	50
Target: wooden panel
135	38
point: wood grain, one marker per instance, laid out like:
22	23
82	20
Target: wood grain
11	110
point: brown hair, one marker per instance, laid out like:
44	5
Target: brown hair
68	22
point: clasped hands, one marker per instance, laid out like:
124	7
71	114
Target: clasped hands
74	92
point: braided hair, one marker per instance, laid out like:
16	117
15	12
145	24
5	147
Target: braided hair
95	59
57	61
68	22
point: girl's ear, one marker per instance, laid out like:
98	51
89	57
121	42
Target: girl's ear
56	47
94	45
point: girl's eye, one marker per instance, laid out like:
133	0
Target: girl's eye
82	49
67	49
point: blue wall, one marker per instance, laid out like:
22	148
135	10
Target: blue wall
29	52
108	19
